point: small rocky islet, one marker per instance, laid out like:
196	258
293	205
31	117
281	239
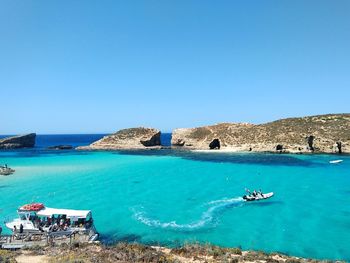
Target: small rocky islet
131	139
19	141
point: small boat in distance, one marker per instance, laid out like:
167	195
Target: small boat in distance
36	218
336	161
256	196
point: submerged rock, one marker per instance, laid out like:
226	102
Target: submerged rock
19	141
60	147
322	133
133	138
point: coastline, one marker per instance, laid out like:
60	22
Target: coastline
135	252
239	151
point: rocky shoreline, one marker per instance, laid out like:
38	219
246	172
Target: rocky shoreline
133	252
313	134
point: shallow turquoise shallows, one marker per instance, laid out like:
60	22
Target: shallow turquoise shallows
173	197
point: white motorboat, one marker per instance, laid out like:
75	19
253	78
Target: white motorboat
257	197
38	218
336	161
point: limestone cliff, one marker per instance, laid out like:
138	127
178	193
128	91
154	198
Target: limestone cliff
133	138
20	141
322	133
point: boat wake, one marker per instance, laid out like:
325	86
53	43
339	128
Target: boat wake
207	218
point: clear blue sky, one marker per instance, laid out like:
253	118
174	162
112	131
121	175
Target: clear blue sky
98	66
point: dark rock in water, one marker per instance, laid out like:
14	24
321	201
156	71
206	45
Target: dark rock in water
20	141
61	147
215	144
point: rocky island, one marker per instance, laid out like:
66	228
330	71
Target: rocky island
19	141
313	134
126	139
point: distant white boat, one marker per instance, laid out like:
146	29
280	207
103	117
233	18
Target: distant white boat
257	197
336	161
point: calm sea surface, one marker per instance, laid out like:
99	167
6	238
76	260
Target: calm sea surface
168	197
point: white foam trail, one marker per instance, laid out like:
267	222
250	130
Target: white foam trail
226	200
206	218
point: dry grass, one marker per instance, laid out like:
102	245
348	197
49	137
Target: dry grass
7	256
127	252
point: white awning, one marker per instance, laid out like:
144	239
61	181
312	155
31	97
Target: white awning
68	212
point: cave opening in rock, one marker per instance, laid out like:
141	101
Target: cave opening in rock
339	147
215	144
310	142
279	147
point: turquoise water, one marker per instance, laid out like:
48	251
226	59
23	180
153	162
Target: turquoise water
173	197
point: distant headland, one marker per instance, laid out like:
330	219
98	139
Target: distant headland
313	134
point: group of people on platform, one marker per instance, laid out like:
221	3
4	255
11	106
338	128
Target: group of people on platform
55	223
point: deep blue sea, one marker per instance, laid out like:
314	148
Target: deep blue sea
170	197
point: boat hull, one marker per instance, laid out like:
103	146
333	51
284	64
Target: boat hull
250	198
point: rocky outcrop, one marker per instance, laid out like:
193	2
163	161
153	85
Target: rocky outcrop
20	141
133	138
322	133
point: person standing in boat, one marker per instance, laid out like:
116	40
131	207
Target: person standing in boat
21	229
